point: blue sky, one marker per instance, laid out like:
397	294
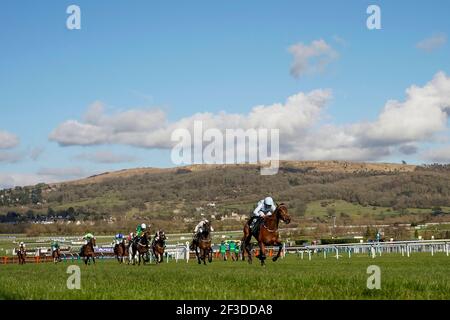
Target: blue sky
203	56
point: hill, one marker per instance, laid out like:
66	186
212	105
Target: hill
356	193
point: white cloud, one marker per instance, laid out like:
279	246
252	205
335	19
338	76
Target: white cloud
63	173
44	175
150	129
105	157
311	58
138	127
400	126
8	140
440	154
10	180
432	43
10	157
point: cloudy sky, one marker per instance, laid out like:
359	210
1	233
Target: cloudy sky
108	96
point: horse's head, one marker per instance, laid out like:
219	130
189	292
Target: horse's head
145	238
93	242
206	230
162	235
282	213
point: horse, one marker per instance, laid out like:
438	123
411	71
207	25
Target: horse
21	254
141	248
266	233
120	251
129	252
56	255
159	246
203	242
87	252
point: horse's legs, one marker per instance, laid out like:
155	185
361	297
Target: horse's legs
156	255
248	248
262	253
198	255
280	247
133	255
93	259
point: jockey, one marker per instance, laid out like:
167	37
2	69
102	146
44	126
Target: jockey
118	238
130	237
156	238
55	245
88	237
199	229
22	246
140	230
264	208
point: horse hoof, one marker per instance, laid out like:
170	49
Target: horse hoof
274	259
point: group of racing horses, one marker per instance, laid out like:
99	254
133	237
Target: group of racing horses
265	232
139	248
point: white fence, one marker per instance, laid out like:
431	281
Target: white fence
406	248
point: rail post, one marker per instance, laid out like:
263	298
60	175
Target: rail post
188	252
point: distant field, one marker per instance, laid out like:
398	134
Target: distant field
315	208
418	277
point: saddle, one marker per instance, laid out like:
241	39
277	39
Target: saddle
254	230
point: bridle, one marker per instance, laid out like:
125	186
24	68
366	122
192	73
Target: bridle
277	211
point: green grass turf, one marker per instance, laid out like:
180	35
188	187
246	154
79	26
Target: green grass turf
420	276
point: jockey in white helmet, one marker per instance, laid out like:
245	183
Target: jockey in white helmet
200	225
264	208
199	228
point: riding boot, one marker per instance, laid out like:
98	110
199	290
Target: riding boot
253	223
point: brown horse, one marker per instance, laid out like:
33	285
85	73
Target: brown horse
21	254
203	242
87	252
120	251
56	255
159	245
141	248
266	233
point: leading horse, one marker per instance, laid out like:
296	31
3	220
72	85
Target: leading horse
87	252
159	245
266	233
